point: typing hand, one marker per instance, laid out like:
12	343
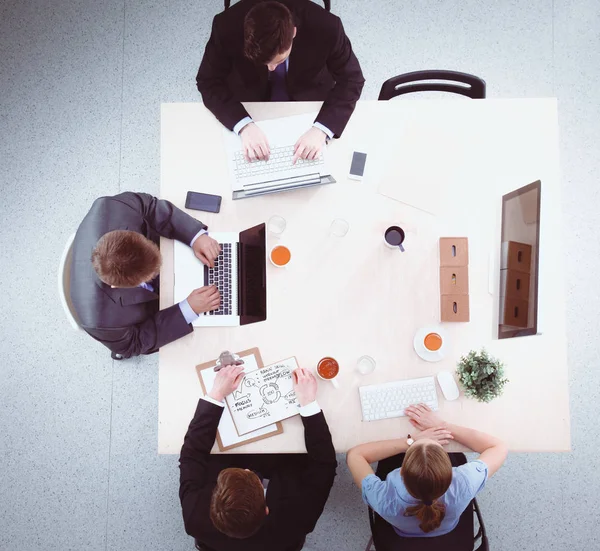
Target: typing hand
254	143
206	250
204	299
423	418
310	144
226	381
440	434
305	386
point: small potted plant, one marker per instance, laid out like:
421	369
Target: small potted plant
481	376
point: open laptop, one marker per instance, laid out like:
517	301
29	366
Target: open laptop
249	179
240	274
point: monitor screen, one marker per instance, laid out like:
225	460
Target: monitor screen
253	275
519	262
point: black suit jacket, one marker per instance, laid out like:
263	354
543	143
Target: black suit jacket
127	321
296	495
322	66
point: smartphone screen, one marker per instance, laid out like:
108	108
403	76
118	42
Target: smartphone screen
203	201
357	168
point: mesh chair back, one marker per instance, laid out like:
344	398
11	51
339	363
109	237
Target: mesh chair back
421	81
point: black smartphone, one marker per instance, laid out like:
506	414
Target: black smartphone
357	168
203	201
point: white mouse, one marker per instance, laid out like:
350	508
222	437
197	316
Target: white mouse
448	385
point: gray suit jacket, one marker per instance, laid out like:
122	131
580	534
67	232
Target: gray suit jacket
127	321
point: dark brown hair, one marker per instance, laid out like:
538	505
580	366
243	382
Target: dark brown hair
125	258
427	474
268	31
237	505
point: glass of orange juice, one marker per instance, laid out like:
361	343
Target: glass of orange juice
280	256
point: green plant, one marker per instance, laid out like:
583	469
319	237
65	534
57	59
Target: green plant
481	376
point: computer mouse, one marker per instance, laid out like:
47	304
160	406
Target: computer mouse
448	385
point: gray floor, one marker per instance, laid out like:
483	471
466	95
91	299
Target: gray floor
81	83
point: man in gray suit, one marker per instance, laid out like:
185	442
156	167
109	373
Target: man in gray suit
114	273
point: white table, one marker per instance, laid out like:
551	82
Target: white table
350	296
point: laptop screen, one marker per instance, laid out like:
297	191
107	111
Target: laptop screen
253	275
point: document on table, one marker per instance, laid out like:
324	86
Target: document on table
264	396
227	431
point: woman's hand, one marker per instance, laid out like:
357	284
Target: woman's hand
440	434
423	418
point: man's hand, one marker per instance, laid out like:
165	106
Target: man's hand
440	434
227	380
206	250
254	143
305	386
423	418
204	299
309	145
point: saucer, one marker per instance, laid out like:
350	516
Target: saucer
424	353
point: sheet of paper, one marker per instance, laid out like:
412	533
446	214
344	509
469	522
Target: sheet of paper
227	431
264	396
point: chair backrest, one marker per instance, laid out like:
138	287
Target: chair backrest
456	82
327	3
64	283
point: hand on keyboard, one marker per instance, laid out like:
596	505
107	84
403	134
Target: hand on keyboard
310	144
423	418
441	435
254	143
206	250
204	299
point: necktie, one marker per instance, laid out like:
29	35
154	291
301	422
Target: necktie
278	86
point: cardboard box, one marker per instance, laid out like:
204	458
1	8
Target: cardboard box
514	312
516	256
454	251
454	308
454	280
515	284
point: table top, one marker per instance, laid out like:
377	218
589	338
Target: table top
349	296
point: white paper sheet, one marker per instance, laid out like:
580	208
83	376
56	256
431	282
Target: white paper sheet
264	396
227	431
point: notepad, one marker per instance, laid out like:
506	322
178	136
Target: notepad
264	396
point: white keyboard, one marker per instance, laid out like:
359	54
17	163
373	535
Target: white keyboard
280	160
389	399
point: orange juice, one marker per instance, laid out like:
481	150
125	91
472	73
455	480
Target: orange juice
280	255
432	341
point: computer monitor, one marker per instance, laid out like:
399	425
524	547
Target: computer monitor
253	275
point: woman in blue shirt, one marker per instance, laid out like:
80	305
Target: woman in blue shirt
426	496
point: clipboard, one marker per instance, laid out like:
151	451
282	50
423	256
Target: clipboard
210	365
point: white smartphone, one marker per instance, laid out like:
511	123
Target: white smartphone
357	167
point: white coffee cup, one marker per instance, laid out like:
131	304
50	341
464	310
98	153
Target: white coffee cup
327	365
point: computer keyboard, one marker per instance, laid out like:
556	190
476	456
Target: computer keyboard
388	400
220	276
280	159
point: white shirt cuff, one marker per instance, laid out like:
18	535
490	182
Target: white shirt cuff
324	129
201	232
238	127
213	401
187	311
309	409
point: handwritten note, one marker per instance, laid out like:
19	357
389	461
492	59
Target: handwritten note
264	396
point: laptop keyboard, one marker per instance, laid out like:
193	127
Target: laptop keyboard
220	276
280	160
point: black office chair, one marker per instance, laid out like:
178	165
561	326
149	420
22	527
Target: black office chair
462	538
465	84
326	2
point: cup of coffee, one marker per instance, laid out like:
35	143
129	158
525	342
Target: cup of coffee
327	369
394	237
280	256
432	342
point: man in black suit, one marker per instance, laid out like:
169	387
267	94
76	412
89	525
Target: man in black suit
223	497
114	273
289	50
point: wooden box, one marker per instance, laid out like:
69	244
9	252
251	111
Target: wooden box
514	312
516	256
454	280
455	308
454	251
515	284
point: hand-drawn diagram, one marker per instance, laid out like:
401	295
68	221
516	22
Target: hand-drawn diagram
264	396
